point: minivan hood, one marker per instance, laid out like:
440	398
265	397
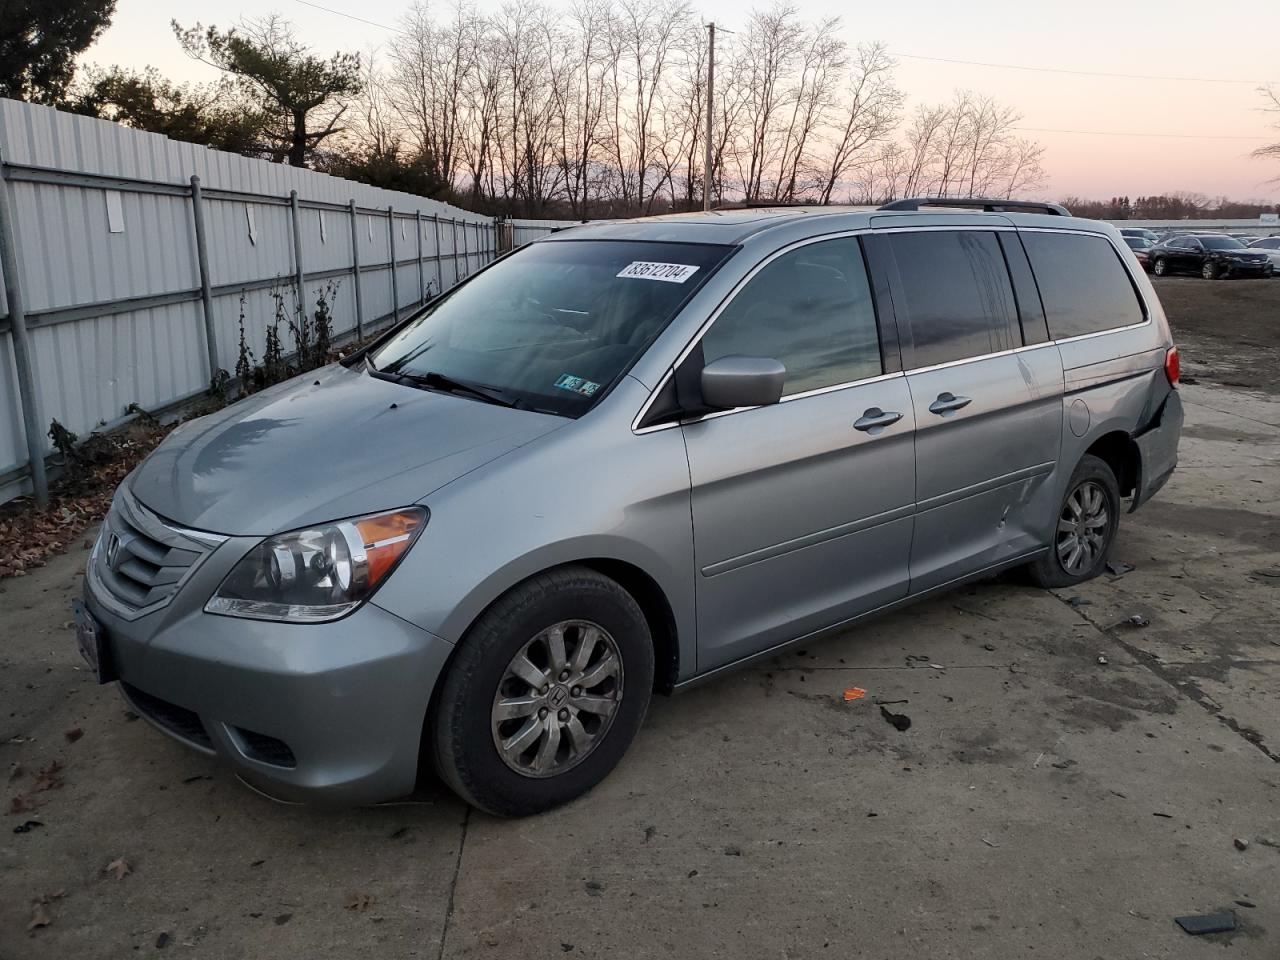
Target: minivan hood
331	444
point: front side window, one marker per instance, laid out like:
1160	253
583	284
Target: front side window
551	327
1083	284
956	293
812	310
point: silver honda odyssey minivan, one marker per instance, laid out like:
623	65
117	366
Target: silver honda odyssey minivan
617	461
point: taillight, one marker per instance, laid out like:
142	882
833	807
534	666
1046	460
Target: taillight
1172	368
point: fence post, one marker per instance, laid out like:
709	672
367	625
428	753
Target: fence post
453	225
435	219
395	287
21	349
206	286
298	275
355	271
422	284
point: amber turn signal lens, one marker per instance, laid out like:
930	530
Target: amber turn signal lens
386	537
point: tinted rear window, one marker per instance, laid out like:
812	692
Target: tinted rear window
1083	285
958	298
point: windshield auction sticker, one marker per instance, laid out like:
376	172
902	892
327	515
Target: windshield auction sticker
577	385
666	272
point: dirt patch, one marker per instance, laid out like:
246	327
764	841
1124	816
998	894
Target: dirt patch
1227	331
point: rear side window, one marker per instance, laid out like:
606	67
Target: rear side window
811	309
957	296
1083	284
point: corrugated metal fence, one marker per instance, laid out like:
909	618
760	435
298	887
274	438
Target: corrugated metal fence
136	257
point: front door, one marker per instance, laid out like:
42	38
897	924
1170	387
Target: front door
988	411
802	510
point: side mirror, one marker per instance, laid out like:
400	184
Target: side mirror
742	382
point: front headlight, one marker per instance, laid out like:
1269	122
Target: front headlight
318	574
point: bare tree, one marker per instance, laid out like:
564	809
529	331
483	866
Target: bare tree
598	108
775	41
822	62
1272	150
870	114
432	66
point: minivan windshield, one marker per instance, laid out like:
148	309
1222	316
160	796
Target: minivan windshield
552	326
1222	243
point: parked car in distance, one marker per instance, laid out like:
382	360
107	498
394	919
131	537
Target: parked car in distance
1271	247
620	460
1141	247
1142	232
1211	255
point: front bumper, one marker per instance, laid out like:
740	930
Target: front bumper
1241	269
328	713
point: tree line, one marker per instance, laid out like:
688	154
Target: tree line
1177	206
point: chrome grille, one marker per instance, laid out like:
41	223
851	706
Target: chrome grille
140	561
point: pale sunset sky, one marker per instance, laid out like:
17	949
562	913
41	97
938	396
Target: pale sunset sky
1130	136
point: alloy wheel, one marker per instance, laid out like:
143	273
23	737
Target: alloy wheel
557	698
1082	528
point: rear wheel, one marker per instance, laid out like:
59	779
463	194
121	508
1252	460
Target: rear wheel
1085	529
1159	267
544	694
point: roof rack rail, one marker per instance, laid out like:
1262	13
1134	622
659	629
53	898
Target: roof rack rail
981	203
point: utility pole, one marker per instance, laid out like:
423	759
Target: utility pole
711	100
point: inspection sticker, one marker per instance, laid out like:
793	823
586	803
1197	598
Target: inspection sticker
666	272
577	385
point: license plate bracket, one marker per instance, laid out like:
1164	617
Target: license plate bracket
92	642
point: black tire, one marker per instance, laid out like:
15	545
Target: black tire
1049	569
1160	268
462	726
1209	270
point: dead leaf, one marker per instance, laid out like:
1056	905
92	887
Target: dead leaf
39	916
22	803
854	693
74	734
47	778
360	902
120	867
30	535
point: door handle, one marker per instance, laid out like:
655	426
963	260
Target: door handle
876	419
948	403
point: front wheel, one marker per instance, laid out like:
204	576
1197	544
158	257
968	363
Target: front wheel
1160	267
1209	271
1085	529
545	693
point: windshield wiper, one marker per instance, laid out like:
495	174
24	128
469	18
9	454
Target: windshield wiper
441	381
